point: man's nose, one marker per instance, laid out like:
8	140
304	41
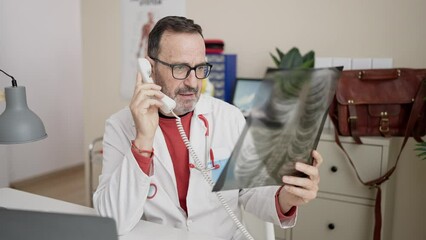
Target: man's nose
191	80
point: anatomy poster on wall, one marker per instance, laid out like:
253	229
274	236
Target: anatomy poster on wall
138	18
283	127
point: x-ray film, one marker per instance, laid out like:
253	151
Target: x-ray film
283	128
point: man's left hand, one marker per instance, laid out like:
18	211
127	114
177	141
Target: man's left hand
301	190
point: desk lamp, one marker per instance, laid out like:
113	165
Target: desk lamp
18	124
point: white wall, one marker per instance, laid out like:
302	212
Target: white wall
40	45
333	28
252	29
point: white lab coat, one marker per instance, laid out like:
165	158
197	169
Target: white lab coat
123	187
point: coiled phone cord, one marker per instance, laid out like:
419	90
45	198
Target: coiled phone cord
209	180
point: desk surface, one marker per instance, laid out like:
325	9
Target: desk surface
15	199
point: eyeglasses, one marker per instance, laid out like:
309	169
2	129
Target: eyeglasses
182	71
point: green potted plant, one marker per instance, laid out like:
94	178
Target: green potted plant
293	59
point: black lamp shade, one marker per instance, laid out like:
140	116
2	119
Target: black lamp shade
18	124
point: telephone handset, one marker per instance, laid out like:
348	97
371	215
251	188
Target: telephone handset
145	70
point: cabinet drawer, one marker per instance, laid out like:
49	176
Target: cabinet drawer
333	220
337	175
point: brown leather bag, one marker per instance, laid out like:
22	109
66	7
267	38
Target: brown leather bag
380	102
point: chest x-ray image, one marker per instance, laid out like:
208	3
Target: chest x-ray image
283	127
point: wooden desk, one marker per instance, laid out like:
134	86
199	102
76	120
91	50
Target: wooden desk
15	199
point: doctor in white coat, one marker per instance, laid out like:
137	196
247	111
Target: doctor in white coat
148	173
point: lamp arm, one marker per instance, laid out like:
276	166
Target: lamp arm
14	83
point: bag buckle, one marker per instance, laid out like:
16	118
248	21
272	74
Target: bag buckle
384	122
352	111
352	118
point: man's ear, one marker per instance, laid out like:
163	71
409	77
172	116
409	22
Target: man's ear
152	63
150	60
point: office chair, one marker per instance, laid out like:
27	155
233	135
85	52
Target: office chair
95	165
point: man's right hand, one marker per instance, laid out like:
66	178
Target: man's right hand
144	108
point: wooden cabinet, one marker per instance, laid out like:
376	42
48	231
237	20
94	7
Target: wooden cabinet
334	219
344	208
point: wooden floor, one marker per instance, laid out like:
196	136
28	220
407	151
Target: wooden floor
67	185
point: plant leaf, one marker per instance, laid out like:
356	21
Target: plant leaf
275	59
310	63
421	148
308	56
292	59
421	154
280	54
309	59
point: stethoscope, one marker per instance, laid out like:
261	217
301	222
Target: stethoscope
208	150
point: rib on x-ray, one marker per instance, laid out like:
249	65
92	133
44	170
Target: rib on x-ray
283	127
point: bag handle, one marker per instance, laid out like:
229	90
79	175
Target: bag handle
379	75
375	183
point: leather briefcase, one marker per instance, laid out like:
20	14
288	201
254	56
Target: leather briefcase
379	102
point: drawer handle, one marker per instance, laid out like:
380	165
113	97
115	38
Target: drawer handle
333	169
331	226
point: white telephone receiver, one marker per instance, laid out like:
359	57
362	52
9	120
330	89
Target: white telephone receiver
145	70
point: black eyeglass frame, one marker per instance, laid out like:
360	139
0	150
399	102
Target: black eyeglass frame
189	70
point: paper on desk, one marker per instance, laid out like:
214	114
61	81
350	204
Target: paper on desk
283	127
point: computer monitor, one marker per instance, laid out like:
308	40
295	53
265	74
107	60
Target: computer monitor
23	224
244	93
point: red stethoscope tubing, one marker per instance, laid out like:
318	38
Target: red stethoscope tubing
214	165
211	155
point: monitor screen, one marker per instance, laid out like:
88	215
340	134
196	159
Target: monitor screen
244	93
